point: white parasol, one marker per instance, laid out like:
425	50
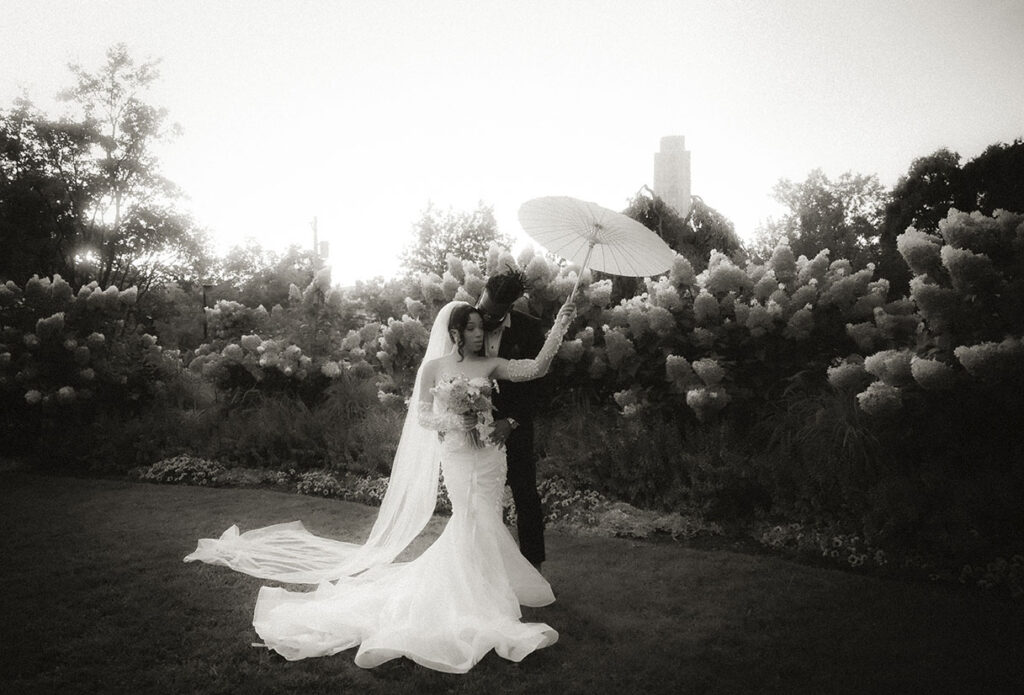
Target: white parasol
595	237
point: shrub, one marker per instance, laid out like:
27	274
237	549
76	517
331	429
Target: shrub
184	469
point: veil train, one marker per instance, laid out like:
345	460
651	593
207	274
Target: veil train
290	553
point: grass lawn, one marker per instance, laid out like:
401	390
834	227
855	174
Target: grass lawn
96	599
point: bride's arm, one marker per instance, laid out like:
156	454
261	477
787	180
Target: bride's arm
425	415
525	370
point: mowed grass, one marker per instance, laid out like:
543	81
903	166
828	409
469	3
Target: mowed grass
96	599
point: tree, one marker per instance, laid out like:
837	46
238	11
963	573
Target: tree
83	196
995	178
44	166
936	183
702	231
466	235
841	215
253	275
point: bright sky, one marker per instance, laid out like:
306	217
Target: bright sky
360	112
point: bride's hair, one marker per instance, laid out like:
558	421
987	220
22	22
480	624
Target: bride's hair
457	322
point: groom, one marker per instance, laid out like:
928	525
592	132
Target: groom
515	335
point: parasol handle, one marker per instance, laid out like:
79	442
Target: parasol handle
579	276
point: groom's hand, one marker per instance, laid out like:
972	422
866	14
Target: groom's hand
502	428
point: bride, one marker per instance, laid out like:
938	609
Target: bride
459	599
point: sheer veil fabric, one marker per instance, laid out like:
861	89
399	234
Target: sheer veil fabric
445	609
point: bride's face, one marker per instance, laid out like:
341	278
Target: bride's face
473	333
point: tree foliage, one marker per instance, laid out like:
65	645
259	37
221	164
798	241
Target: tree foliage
440	233
936	183
83	195
253	275
702	231
841	215
695	236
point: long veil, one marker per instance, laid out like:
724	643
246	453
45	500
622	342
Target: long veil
289	553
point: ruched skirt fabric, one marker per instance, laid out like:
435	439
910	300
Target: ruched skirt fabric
444	610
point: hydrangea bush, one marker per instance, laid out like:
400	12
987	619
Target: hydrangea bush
66	356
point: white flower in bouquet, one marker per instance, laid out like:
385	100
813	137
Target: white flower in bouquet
330	369
33	397
65	395
468	397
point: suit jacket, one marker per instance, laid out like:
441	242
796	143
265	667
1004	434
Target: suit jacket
520	341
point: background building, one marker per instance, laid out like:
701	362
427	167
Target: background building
672	173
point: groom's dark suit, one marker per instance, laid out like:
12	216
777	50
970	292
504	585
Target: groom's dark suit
522	339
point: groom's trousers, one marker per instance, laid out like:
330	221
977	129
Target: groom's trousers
522	478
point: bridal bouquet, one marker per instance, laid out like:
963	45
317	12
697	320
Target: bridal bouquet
462	396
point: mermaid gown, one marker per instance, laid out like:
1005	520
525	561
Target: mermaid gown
445	609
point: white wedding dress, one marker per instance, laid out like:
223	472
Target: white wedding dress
444	610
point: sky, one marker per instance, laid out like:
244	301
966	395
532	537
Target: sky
360	113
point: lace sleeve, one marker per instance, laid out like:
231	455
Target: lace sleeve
441	422
525	370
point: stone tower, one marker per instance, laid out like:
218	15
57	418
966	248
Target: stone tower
672	173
